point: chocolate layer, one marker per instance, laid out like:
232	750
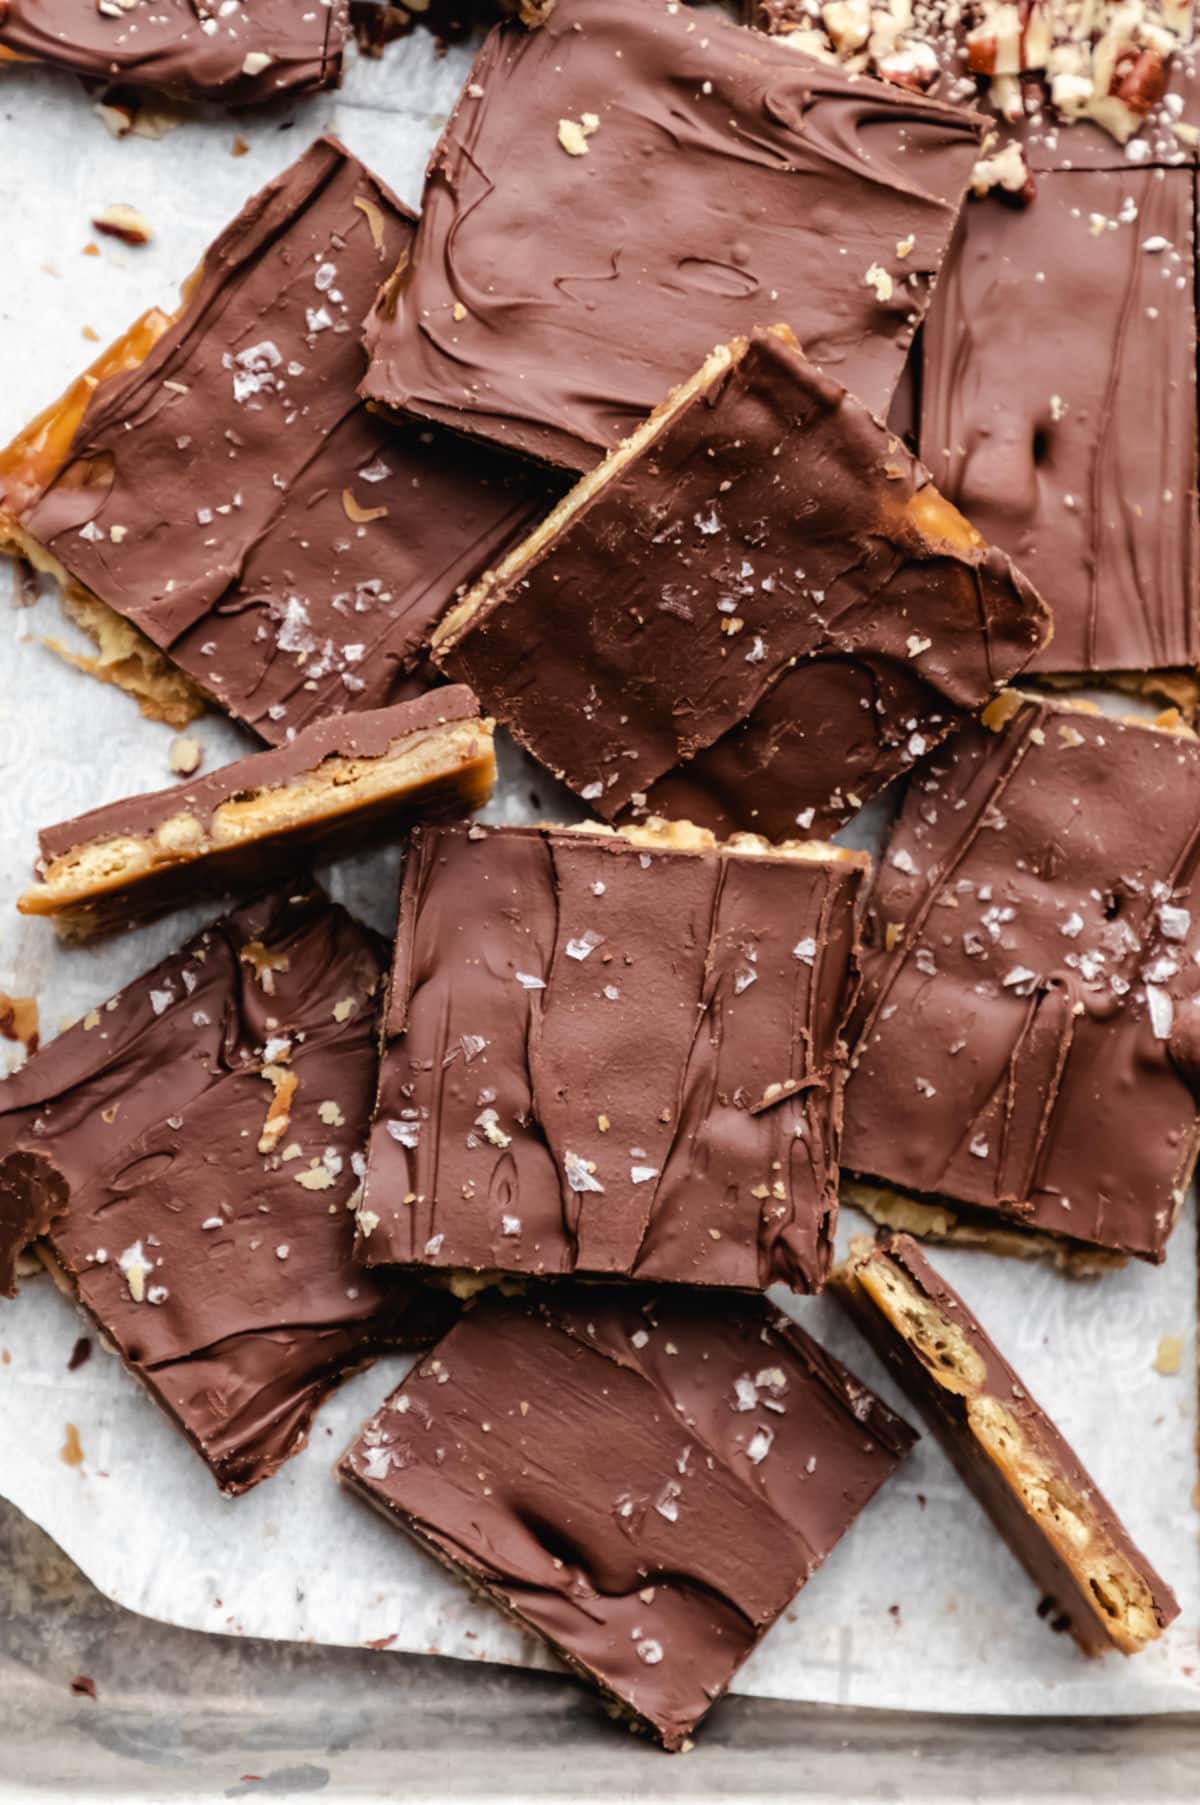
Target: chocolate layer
646	1488
566	272
799	613
244	54
343	784
614	1055
231	498
1029	1026
1045	1504
1059	407
190	1150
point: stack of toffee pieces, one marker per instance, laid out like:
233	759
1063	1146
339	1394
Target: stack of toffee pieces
601	438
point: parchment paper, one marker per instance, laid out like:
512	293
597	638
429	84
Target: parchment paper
921	1606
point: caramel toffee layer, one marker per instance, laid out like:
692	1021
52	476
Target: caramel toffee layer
646	1487
799	613
610	1054
191	1152
1044	1503
228	496
623	189
191	49
1058	407
339	785
1029	1029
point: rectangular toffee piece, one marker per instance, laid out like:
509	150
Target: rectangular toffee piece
338	786
1042	1501
614	1054
1028	1035
187	1157
225	518
244	54
623	189
1058	409
645	1486
800	614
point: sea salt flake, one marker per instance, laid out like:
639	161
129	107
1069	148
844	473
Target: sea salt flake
1175	923
759	1445
579	1174
1162	1011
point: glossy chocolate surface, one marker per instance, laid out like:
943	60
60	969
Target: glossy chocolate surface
646	1486
1058	407
1030	1019
195	1199
566	273
602	1057
233	500
799	614
248	53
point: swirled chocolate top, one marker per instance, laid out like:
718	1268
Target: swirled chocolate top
231	497
614	1054
248	52
1029	1027
188	1150
631	184
754	614
644	1484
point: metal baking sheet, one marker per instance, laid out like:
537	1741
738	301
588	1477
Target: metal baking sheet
922	1603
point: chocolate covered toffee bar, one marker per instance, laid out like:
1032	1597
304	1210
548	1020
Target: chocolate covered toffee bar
1044	1503
1058	408
1029	1028
338	786
645	1488
614	1053
629	185
250	51
189	1151
799	616
214	492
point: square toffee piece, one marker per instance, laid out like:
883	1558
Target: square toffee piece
247	53
342	785
1058	409
1047	1507
629	186
614	1054
224	517
799	616
645	1487
1028	1034
188	1155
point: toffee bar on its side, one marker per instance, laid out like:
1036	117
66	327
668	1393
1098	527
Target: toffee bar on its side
645	1486
1027	1040
1058	410
226	519
339	786
614	1054
628	186
800	614
1042	1501
187	1157
246	54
